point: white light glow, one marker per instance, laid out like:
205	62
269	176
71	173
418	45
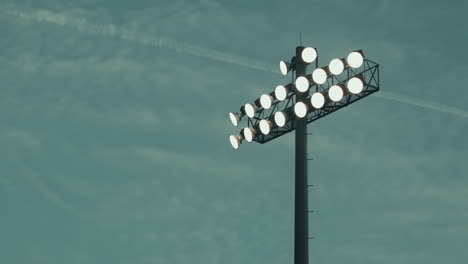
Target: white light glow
336	66
317	100
265	126
235	118
309	55
335	93
355	59
355	85
249	134
284	67
302	84
319	76
266	100
300	109
250	110
281	92
235	141
280	119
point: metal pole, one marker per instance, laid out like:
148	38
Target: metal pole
301	220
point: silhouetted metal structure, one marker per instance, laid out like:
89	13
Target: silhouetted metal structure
367	72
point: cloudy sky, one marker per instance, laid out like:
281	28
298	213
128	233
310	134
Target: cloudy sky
114	133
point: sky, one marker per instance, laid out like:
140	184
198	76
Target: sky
114	133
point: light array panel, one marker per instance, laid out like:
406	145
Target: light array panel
329	88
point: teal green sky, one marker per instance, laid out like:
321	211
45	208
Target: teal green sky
114	133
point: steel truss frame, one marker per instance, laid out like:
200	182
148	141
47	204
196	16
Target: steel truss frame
370	74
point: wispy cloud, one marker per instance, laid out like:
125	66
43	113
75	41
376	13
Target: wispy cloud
16	141
37	183
83	25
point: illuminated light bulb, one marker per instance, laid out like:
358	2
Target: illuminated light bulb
335	93
355	85
317	100
300	109
319	76
281	92
235	141
355	59
280	119
265	126
266	100
336	66
235	118
249	134
308	55
302	84
285	67
250	110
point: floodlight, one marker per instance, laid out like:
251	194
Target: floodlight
355	85
266	100
285	67
302	84
319	76
308	55
336	66
236	140
300	109
335	93
280	119
249	134
235	118
355	59
307	98
250	110
281	92
317	100
265	126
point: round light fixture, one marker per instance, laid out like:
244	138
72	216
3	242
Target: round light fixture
335	93
284	67
265	126
250	110
300	109
355	59
308	55
280	119
281	92
336	66
235	141
266	100
319	76
302	84
235	118
355	85
249	134
317	100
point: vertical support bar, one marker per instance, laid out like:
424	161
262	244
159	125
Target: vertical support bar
301	218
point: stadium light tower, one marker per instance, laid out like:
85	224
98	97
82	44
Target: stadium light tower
291	107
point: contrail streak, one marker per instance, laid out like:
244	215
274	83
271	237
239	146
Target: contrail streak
81	24
51	196
422	103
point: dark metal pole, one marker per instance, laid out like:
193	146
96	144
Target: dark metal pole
301	220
